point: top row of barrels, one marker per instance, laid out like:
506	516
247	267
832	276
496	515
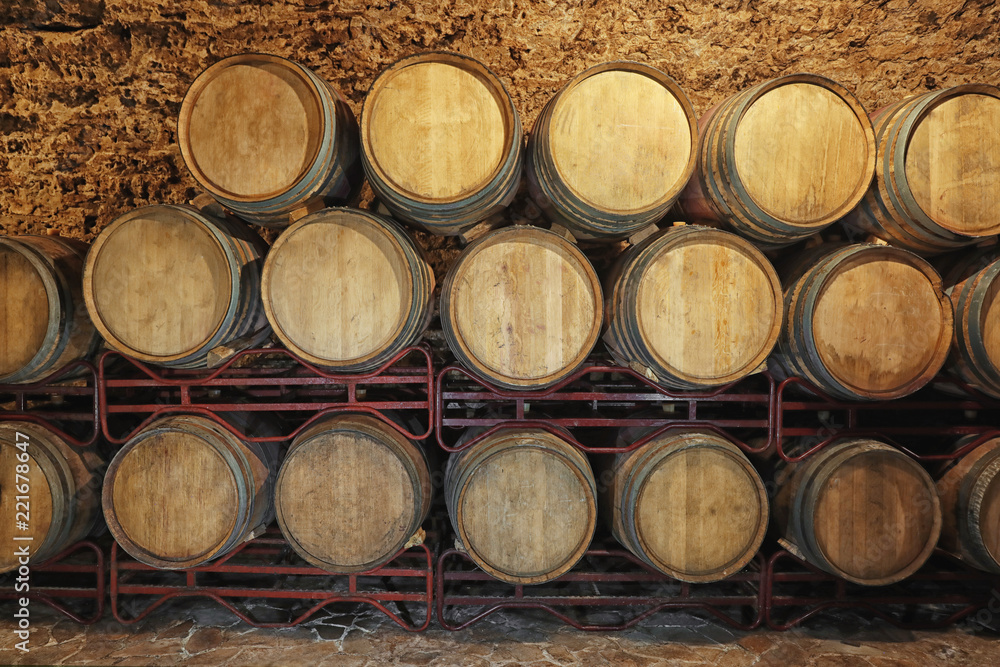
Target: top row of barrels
441	144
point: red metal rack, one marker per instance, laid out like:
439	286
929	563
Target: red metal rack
945	591
62	581
274	381
65	402
607	580
599	397
266	568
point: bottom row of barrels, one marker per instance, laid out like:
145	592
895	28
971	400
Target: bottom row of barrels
351	491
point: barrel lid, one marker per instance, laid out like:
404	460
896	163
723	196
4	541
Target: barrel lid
158	283
251	126
803	152
989	320
38	506
623	136
952	162
437	127
989	517
25	315
345	500
174	496
337	287
525	304
526	512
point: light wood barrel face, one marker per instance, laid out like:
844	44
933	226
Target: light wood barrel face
524	306
39	503
813	139
158	283
952	164
253	124
989	323
174	497
621	141
989	517
339	289
436	128
24	310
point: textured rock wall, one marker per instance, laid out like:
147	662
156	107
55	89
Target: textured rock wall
90	89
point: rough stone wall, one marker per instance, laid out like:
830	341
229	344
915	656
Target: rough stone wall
90	89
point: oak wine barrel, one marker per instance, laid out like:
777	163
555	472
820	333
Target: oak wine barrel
441	142
782	160
50	486
612	150
185	490
267	138
693	307
689	504
864	322
969	491
166	284
523	504
937	179
43	321
976	349
521	307
860	510
347	289
351	492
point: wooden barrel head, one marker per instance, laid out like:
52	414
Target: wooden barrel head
621	140
881	322
158	282
989	323
953	164
39	506
989	518
876	517
437	127
526	513
525	305
25	312
337	289
251	126
709	308
174	496
345	500
814	140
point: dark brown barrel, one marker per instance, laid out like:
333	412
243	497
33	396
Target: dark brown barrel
976	349
166	284
689	504
43	320
865	322
970	507
51	493
937	179
347	289
351	492
521	307
185	490
268	138
692	307
441	142
782	160
612	150
523	503
860	510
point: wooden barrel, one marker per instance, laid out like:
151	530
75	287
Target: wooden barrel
347	289
53	488
441	142
43	321
860	510
976	349
166	284
351	492
689	504
523	503
184	490
612	150
268	138
969	491
938	173
865	322
693	307
521	307
782	160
